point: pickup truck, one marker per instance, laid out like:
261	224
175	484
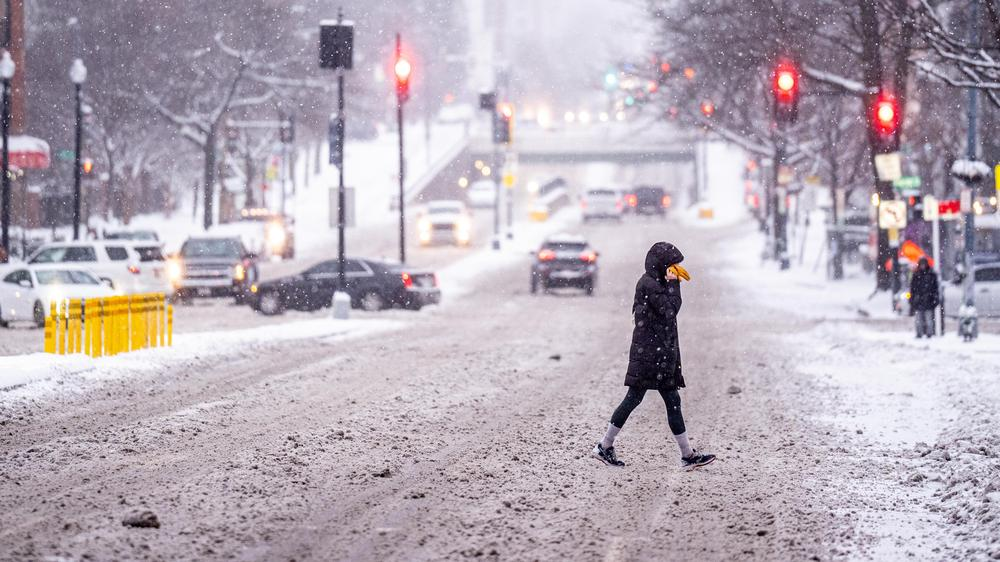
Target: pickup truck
213	267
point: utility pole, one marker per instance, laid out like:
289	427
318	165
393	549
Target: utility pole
336	47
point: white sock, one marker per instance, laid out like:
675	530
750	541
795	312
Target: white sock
682	442
609	437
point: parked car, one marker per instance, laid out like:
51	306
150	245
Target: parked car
446	221
27	291
210	266
601	203
111	260
564	261
482	194
648	200
987	284
371	284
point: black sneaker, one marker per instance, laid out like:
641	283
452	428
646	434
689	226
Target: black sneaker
695	460
607	456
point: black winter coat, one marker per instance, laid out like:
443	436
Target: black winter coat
655	357
924	290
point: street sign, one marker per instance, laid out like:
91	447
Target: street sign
949	209
889	166
996	178
65	155
892	214
931	211
907	183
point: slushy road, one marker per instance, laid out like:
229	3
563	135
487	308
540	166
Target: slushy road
466	434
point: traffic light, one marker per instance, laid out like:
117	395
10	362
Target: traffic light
786	92
885	121
288	130
707	108
403	70
664	73
503	119
87	165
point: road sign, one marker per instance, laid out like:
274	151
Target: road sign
892	214
889	166
931	212
907	183
65	155
949	209
785	175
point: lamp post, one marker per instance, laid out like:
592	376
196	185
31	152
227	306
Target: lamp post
78	74
7	68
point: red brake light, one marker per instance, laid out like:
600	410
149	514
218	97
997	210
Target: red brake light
632	200
407	280
133	269
589	257
666	201
546	255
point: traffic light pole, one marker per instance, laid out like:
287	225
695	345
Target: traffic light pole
402	181
778	207
77	163
496	200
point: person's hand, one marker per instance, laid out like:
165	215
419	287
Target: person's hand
671	276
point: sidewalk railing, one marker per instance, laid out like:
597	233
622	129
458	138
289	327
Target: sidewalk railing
109	326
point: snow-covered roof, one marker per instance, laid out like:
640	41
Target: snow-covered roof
971	169
29	153
565	238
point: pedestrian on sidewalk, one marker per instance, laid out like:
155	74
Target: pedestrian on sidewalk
924	297
655	356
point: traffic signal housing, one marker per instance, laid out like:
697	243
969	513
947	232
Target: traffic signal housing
785	87
503	120
885	119
403	70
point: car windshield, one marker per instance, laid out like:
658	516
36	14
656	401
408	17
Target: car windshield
149	253
601	193
566	246
650	192
65	277
212	248
444	209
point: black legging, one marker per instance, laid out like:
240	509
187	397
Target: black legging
634	397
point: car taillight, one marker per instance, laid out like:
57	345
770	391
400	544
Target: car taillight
133	269
632	200
546	255
589	257
583	203
435	279
407	280
666	201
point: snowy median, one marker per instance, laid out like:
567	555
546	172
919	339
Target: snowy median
48	371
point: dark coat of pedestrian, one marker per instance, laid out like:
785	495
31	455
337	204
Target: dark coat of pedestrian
655	355
924	293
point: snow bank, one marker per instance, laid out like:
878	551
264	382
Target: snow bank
723	193
19	370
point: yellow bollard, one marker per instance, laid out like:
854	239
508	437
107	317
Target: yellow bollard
61	327
154	319
87	337
114	305
50	329
76	317
170	325
96	316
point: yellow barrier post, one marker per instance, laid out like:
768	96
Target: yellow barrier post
87	344
50	329
170	325
76	317
154	319
96	316
61	327
113	322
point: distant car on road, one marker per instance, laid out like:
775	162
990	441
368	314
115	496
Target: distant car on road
987	283
648	200
116	261
564	261
371	284
601	203
446	221
482	194
27	291
212	267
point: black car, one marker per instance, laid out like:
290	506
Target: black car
372	285
564	261
648	200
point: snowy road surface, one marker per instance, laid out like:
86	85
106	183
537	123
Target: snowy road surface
466	434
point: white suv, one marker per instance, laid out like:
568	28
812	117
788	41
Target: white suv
113	260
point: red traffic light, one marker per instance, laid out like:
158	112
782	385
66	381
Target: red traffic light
885	114
402	69
507	110
786	83
708	108
87	165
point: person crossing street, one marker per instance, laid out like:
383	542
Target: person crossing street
924	297
655	356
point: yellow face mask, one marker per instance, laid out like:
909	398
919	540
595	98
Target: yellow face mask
680	272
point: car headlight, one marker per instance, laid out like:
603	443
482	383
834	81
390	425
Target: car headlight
276	236
174	271
239	272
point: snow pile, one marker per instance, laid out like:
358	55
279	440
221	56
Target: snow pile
20	370
721	203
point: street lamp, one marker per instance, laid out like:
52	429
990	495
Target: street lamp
7	68
78	75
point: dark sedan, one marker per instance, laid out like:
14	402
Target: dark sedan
564	261
372	285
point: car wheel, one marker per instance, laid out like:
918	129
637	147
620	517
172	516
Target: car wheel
534	283
372	301
239	298
589	288
38	314
3	323
270	303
